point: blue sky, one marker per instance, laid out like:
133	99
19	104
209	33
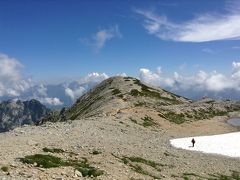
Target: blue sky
53	40
45	36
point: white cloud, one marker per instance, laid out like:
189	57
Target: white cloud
83	85
93	78
204	28
9	68
11	81
218	82
40	93
102	36
122	74
236	70
155	78
1	89
75	93
41	90
14	85
51	101
69	92
201	81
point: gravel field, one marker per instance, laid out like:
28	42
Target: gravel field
114	138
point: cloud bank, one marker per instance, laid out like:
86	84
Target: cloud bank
14	85
203	28
76	89
201	83
11	81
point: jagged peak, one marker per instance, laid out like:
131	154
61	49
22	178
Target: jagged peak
14	113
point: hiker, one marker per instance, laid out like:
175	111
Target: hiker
193	142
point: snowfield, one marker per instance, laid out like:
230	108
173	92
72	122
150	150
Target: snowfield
223	144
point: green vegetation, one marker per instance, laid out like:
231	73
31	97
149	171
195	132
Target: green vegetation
86	169
83	104
140	170
45	161
193	115
120	96
175	118
4	168
148	121
53	150
82	108
144	161
135	92
233	176
127	78
50	161
208	113
152	93
116	91
135	164
186	175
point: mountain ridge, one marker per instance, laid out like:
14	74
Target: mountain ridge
117	94
15	113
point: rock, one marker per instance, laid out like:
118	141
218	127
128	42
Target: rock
41	169
77	173
30	142
164	176
13	165
15	113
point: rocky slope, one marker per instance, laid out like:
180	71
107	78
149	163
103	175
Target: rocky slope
125	94
115	146
15	113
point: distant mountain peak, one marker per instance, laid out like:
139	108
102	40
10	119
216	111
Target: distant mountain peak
14	113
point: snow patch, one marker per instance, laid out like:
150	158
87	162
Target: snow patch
223	144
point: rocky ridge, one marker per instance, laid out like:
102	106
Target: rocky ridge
15	113
125	94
